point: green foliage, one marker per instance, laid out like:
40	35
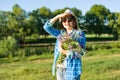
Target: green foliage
102	45
100	10
96	18
21	24
8	46
44	12
30	51
113	23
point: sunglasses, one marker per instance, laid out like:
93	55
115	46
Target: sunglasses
69	19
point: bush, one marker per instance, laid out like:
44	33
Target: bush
8	46
28	51
102	45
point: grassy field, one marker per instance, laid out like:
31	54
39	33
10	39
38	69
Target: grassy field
97	65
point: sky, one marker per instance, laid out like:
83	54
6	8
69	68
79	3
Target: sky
83	5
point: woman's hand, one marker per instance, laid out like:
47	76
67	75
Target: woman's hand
59	16
60	49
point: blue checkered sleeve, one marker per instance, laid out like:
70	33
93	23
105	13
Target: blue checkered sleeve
48	28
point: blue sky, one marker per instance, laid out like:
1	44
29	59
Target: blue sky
83	5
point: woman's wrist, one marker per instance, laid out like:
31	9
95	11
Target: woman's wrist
61	50
64	51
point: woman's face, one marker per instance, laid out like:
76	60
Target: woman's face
68	22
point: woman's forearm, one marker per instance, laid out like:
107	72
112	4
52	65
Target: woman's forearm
54	19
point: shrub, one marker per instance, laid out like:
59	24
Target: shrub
102	45
8	46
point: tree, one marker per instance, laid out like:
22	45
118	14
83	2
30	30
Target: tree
91	21
44	12
114	24
3	26
16	22
96	17
38	18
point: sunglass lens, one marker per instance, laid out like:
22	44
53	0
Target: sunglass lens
70	19
63	19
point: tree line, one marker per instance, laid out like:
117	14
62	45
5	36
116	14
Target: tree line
19	24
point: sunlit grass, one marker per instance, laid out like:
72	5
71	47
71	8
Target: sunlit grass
102	35
97	65
101	67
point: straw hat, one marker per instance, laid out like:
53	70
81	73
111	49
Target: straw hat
69	12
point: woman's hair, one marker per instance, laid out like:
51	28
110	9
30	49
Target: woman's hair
74	22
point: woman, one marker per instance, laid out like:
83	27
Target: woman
70	67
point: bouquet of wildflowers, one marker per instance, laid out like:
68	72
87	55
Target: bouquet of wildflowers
68	42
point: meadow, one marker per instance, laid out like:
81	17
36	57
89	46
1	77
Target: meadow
97	65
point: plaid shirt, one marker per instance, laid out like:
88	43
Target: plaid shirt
73	68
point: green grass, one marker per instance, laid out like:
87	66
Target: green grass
97	65
102	35
101	68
